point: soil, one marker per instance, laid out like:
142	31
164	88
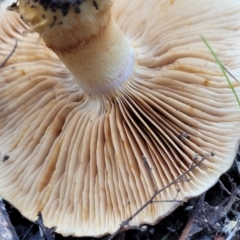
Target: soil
213	215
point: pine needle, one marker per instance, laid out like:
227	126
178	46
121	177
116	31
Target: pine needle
223	69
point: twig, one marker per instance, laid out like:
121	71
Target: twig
11	53
149	172
48	233
174	200
187	229
230	74
179	179
25	235
224	187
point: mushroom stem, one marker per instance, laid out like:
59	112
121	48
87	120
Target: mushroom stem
103	62
85	37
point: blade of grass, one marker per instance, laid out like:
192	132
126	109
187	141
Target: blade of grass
221	67
165	237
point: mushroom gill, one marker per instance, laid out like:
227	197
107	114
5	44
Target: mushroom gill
94	116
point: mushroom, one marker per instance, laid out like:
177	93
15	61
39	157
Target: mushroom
103	102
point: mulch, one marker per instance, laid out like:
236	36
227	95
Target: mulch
213	215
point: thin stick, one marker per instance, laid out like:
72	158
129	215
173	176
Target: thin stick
11	53
25	235
230	74
179	179
187	229
224	187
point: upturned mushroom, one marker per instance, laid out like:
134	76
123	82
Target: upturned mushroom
103	102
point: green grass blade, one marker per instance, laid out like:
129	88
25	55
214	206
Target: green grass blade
165	237
221	67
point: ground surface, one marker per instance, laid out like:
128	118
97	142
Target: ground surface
213	215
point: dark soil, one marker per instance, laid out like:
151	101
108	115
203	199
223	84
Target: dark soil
202	218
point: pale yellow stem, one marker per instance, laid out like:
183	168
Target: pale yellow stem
89	43
102	62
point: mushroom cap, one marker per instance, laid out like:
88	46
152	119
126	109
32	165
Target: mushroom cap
86	162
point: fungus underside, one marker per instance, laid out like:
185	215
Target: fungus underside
223	69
